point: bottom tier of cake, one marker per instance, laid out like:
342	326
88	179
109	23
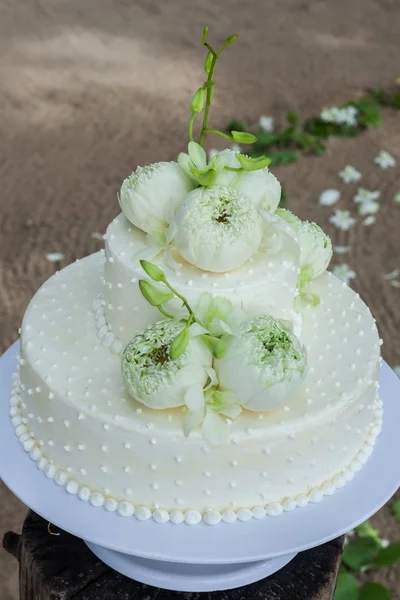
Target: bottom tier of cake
74	417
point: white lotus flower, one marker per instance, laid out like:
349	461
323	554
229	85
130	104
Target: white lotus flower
216	229
225	158
261	187
385	160
315	245
266	123
349	174
329	197
343	272
342	219
218	315
264	364
152	377
150	196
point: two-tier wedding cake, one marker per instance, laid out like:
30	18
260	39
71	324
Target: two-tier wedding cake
205	366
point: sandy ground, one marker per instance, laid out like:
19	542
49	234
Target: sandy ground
88	90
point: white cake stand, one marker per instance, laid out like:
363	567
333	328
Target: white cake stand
204	558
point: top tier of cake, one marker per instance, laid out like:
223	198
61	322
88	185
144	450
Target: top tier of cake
265	284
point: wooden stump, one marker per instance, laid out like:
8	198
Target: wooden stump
63	568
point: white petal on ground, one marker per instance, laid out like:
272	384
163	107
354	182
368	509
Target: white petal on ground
95	235
349	174
397	198
342	219
370	220
364	195
392	275
54	257
384	160
344	273
329	197
368	208
395	283
341	249
266	123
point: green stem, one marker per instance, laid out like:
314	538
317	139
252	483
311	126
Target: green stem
217	132
184	301
208	94
192	118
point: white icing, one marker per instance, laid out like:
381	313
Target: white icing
125	509
161	516
192	517
212	517
143	513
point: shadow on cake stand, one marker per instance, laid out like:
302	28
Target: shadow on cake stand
204	558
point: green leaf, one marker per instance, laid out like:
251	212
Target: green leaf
205	34
360	553
266	139
283	157
197	103
229	40
283	200
346	587
206	178
208	63
292	117
253	164
396	509
152	295
197	155
243	138
179	344
387	557
394	101
366	530
217	346
237	126
154	272
374	591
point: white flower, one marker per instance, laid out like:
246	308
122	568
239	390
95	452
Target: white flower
369	208
341	249
329	197
151	195
392	275
152	377
364	195
266	123
385	160
218	315
343	272
225	158
349	174
315	245
216	229
342	220
236	148
264	364
95	235
212	152
54	257
341	116
397	198
261	187
369	221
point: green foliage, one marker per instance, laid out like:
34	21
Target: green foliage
387	557
179	344
374	591
283	157
236	126
360	553
346	587
396	509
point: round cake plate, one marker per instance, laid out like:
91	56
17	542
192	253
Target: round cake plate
204	558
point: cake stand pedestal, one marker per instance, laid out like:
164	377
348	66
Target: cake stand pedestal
201	557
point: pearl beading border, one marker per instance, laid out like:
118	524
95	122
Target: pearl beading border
106	336
190	517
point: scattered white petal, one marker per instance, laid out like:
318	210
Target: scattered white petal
54	257
341	116
266	123
369	221
369	208
236	148
343	272
329	197
341	249
397	371
393	275
397	198
385	543
211	153
385	160
97	236
364	195
349	174
395	284
342	220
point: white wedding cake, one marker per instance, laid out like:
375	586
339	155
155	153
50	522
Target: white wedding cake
205	366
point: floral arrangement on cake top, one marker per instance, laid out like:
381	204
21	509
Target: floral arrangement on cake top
216	360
